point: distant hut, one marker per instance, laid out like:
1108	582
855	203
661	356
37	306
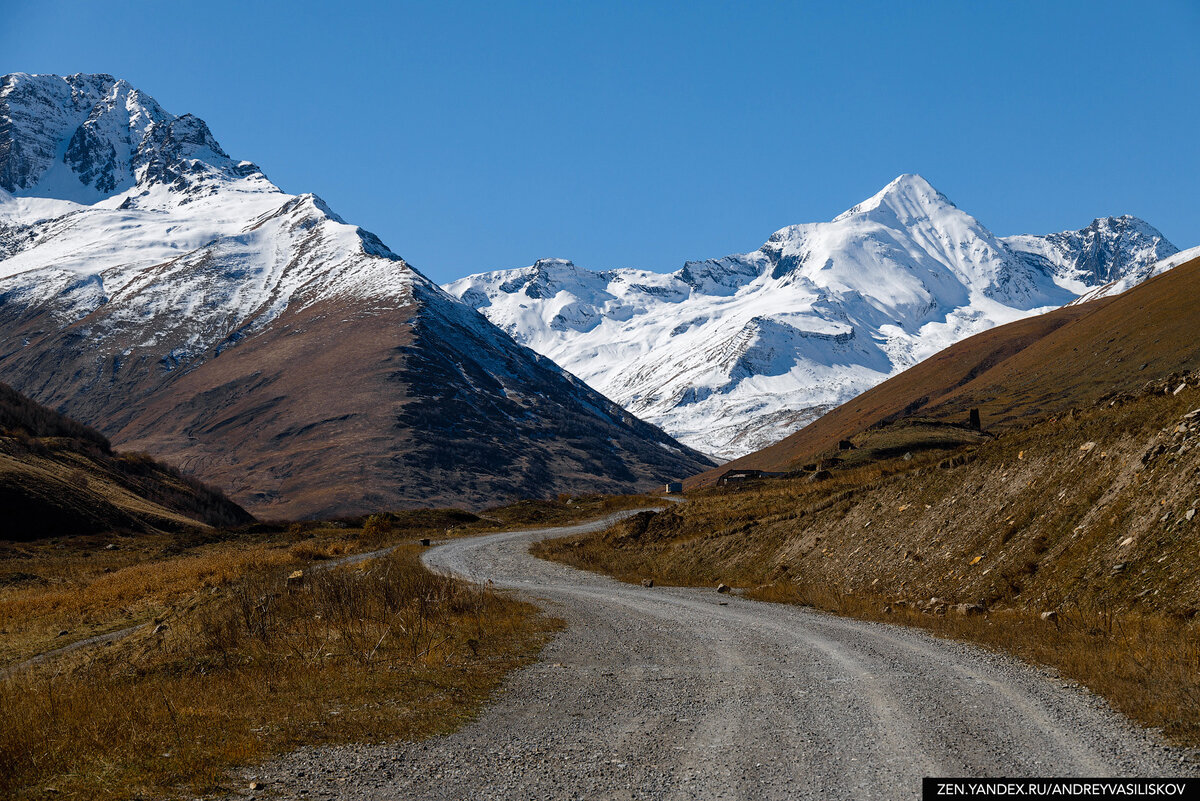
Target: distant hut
673	487
738	476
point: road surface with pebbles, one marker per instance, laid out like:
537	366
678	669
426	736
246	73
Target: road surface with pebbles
654	693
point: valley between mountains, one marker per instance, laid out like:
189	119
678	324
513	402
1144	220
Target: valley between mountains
890	496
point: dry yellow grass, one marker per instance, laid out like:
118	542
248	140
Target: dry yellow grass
245	664
77	586
107	590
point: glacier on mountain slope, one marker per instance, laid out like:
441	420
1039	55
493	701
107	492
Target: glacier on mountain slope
730	355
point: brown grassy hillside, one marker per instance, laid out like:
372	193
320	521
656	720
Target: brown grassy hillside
1094	507
339	408
59	477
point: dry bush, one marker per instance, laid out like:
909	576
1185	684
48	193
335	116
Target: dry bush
343	613
378	526
311	550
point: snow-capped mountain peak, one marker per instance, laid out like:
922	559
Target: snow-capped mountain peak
906	197
190	307
1108	249
734	353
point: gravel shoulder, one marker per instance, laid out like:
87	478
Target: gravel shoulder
681	693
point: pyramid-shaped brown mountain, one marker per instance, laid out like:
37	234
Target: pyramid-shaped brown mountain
258	340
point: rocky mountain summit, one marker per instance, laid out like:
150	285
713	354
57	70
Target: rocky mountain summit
88	137
177	300
732	354
1109	249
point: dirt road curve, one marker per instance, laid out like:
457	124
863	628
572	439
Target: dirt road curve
674	693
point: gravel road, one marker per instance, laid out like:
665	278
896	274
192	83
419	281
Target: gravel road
683	693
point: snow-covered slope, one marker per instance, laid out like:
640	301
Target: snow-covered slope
110	200
157	289
732	354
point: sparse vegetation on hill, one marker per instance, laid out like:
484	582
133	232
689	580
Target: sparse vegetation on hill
20	415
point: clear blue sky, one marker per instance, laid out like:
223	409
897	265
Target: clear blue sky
473	136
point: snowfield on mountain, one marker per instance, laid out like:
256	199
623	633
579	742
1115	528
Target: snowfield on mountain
192	309
729	355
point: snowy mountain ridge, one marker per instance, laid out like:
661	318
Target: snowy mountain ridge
86	138
732	354
101	184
